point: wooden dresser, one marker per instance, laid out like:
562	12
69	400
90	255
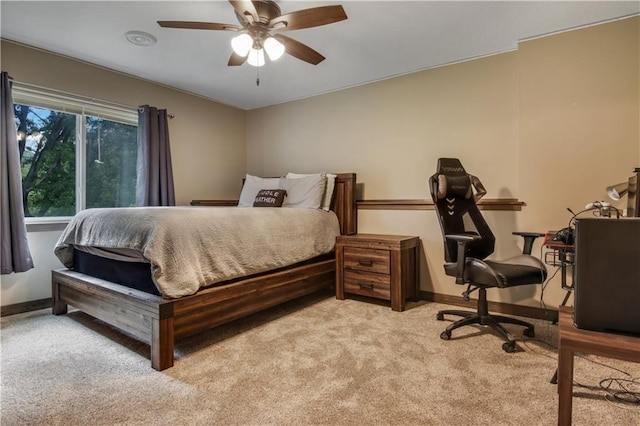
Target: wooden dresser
380	266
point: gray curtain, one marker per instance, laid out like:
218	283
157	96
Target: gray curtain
15	255
155	176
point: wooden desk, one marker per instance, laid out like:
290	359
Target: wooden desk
572	340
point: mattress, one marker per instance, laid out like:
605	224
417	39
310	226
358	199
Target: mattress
135	275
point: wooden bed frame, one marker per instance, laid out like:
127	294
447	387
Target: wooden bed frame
160	322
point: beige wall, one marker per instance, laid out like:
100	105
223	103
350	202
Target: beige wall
579	116
551	124
389	132
207	143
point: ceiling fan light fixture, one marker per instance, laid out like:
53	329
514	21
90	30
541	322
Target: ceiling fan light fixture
274	48
256	57
257	18
242	44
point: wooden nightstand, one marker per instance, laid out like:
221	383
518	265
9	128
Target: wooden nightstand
380	266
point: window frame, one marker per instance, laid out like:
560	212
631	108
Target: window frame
82	107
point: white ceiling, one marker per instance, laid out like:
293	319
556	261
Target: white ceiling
380	39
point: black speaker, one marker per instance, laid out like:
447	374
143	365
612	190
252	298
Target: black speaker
607	275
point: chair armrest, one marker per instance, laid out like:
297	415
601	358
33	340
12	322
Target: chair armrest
529	238
462	240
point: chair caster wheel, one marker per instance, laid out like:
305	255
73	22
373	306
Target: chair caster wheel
440	316
445	335
529	332
509	347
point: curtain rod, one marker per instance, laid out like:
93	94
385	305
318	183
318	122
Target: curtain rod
140	109
75	95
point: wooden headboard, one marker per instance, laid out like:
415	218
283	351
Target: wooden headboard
344	203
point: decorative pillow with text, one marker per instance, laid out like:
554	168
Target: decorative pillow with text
270	198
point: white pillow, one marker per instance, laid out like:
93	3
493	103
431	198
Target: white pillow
253	184
328	193
305	192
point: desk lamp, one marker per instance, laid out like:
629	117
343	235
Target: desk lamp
617	191
631	189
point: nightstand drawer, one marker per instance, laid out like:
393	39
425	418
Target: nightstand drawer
370	260
368	284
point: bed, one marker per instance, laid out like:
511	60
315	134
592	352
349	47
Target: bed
160	321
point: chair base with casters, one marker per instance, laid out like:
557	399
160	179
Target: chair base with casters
483	317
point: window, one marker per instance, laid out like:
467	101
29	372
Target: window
74	154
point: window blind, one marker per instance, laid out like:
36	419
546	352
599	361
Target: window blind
70	104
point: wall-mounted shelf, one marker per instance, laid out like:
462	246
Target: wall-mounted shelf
512	204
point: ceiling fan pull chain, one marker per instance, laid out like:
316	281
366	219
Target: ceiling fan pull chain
257	76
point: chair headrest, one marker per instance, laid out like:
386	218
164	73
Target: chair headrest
454	186
454	181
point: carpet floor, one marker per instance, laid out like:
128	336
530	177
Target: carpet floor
314	361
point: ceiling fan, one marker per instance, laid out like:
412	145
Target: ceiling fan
261	24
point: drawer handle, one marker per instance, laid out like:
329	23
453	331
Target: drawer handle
365	262
368	286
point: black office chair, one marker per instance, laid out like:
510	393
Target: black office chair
468	241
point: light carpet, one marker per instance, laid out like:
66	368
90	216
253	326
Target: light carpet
314	361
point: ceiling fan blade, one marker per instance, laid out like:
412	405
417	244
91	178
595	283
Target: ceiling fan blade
299	50
236	60
246	9
308	18
199	25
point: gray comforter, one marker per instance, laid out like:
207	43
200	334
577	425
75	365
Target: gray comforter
191	247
